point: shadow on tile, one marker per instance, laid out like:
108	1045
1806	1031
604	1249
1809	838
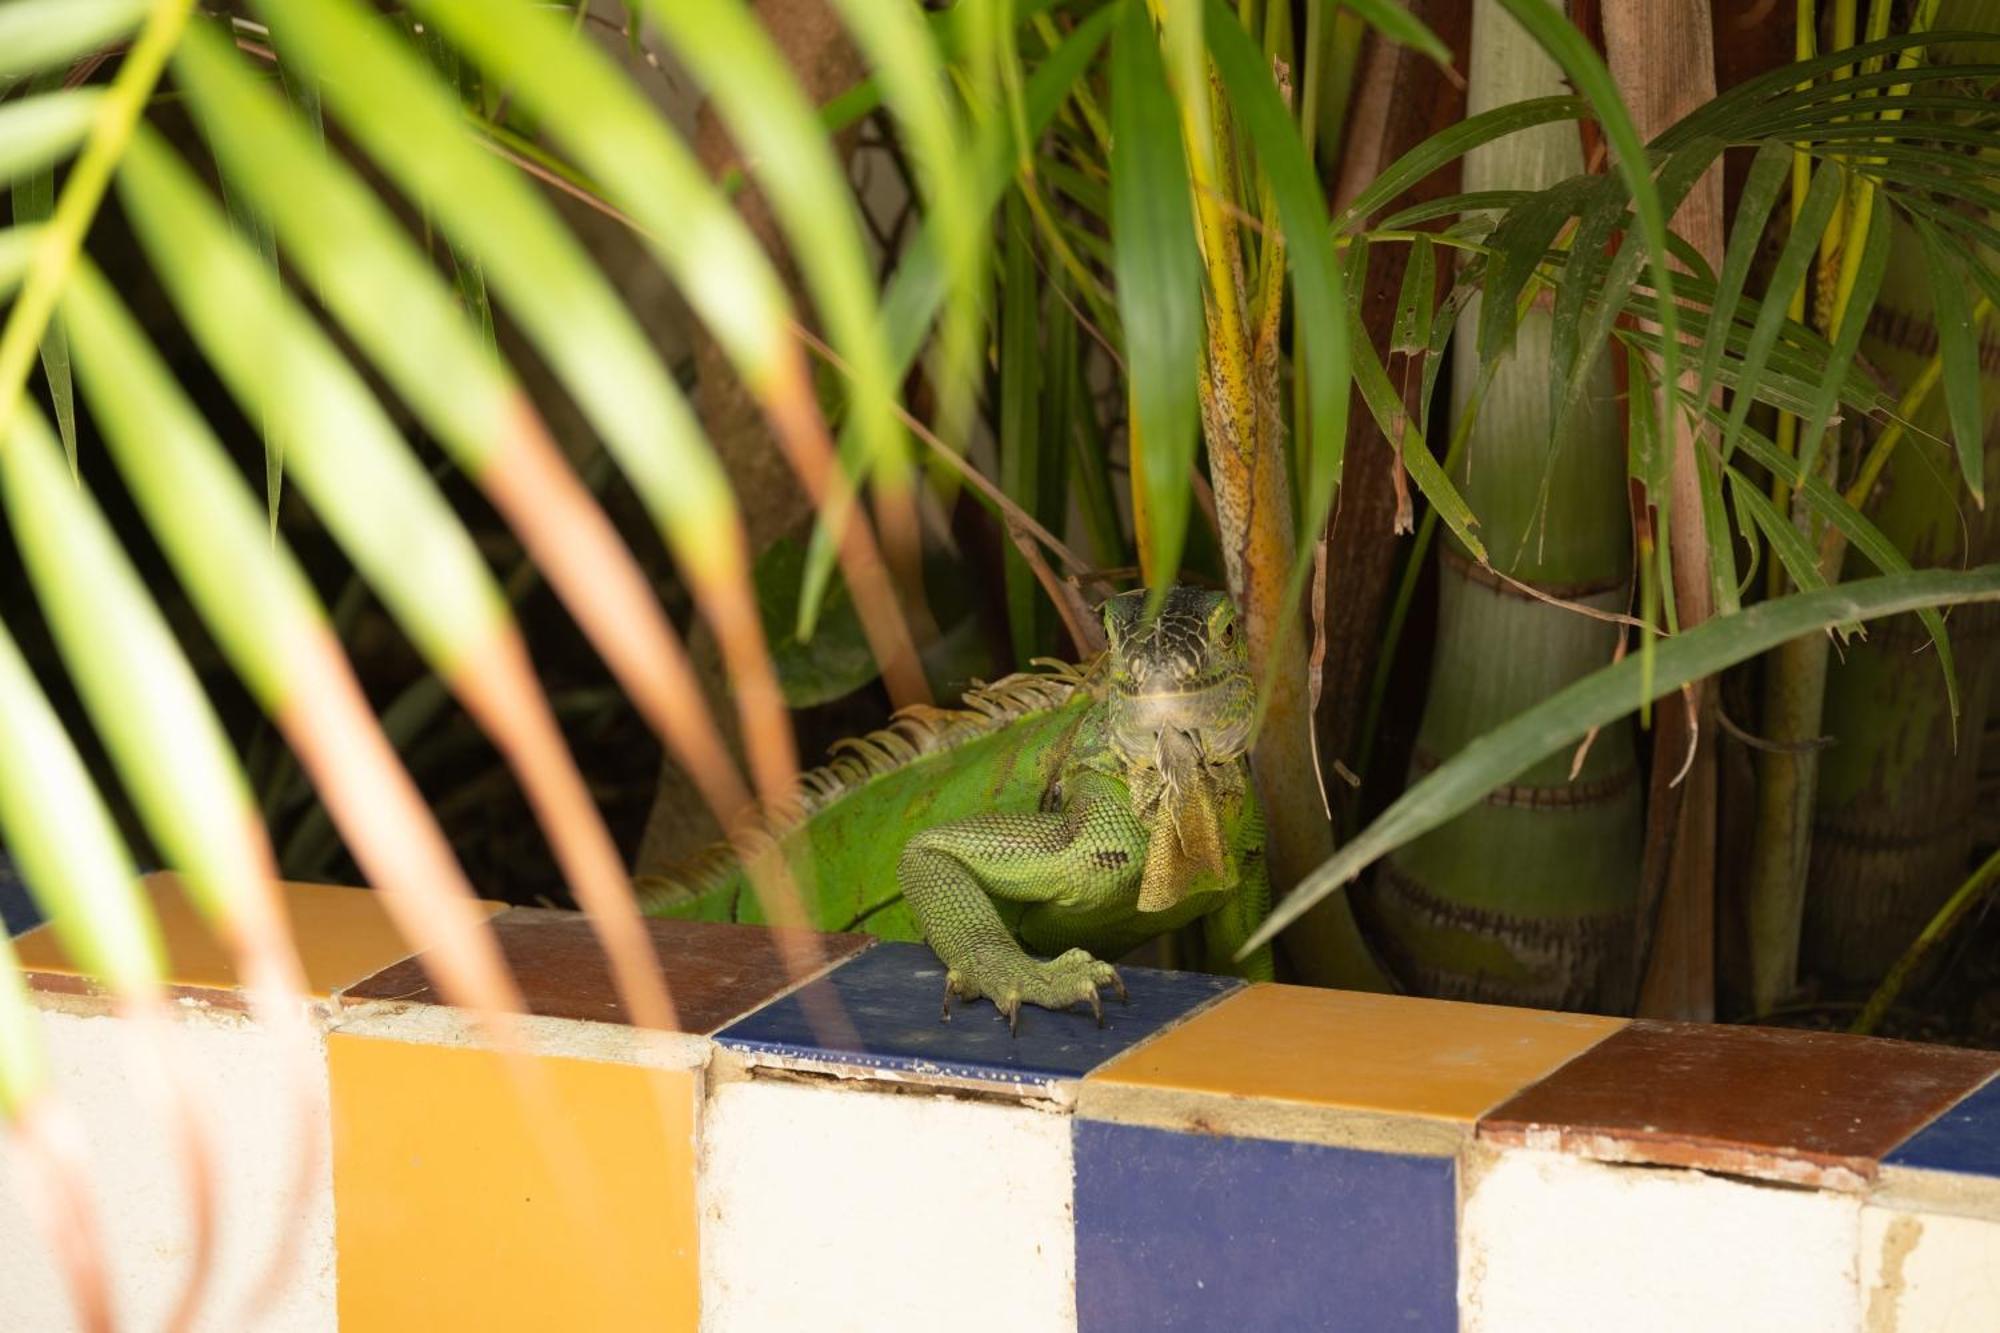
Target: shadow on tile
717	972
450	1211
18	911
343	935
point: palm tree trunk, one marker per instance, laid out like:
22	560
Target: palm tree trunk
1244	430
1662	52
1893	819
1531	897
1921	513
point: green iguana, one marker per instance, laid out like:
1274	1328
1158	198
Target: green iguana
1079	811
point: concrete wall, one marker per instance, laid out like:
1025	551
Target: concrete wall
825	1153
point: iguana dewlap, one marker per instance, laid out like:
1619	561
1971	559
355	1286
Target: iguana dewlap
1078	812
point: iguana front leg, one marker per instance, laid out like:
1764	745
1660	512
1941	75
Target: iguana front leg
951	874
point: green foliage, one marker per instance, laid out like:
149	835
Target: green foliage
1056	291
1158	278
835	661
1568	716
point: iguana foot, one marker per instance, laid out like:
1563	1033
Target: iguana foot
1056	984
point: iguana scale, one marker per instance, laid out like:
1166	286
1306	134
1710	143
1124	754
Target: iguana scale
1076	811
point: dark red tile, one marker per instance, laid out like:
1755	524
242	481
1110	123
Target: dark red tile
1812	1108
717	972
101	1000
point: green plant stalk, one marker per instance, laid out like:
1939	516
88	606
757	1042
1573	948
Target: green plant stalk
1858	210
1794	698
1956	908
1529	897
1795	682
61	238
1794	686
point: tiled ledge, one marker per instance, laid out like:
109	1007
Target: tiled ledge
828	1154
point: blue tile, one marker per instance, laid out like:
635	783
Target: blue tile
18	912
1965	1138
1199	1232
889	998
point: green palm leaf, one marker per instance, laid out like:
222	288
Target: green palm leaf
264	616
352	464
1566	717
399	311
38	131
1159	284
38	34
777	128
413	129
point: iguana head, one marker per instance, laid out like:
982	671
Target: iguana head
1180	682
1180	701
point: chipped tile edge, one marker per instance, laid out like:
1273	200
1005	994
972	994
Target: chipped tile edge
1846	1175
74	993
421	1024
1923	1189
734	1064
904	1073
1229	1115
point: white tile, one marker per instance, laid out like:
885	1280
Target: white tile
1930	1272
1549	1242
833	1209
237	1075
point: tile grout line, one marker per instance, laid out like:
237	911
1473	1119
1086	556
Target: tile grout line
826	969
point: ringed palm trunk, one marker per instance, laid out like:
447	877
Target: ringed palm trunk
1894	815
1530	897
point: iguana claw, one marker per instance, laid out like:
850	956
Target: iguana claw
1056	984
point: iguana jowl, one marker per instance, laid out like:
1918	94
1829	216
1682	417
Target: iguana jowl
1078	812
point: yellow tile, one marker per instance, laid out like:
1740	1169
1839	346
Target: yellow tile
1388	1054
343	935
449	1213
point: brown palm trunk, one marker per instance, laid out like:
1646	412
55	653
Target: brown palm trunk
1893	823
